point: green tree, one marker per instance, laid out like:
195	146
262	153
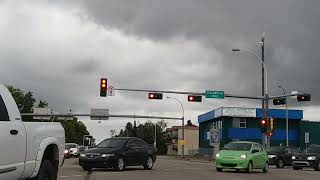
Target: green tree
146	132
74	129
25	101
42	104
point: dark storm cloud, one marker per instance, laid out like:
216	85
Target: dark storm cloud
86	66
292	35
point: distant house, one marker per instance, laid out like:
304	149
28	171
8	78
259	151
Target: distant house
174	139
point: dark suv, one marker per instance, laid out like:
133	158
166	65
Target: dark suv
309	157
281	155
118	153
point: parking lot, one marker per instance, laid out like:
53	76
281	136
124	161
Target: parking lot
170	168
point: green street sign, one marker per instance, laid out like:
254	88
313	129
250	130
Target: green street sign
214	94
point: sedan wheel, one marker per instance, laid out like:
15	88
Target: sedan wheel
249	169
148	164
266	167
280	163
120	164
317	168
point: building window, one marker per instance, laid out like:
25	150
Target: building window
242	123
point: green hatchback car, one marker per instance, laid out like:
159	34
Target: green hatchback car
242	155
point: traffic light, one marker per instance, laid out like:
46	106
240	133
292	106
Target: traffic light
103	87
279	101
304	97
155	96
270	133
271	124
263	126
194	98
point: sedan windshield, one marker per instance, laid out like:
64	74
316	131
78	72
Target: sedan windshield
276	149
311	150
238	146
112	143
69	146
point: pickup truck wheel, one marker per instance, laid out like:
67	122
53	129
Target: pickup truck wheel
46	171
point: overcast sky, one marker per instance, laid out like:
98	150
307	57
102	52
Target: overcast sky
59	50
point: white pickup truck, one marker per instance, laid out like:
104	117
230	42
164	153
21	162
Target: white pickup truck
28	150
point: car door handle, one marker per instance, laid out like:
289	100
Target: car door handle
14	132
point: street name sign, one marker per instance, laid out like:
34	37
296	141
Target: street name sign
214	94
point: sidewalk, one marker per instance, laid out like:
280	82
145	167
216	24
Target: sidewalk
192	159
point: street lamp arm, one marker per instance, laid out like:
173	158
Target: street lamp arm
264	66
179	103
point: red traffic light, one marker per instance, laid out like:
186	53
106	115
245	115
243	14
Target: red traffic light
194	98
155	96
103	87
263	122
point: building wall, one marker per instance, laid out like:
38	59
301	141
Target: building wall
314	132
231	131
191	138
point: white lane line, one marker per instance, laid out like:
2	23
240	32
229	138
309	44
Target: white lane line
78	175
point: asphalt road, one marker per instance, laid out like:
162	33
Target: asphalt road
167	168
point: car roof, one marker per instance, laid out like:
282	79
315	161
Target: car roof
248	142
71	144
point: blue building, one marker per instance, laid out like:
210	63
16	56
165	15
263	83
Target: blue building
227	124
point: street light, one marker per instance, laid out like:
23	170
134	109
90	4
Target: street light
264	66
287	120
182	122
264	106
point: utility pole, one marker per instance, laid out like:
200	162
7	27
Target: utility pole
155	134
265	103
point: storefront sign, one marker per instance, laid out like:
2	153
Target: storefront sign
239	112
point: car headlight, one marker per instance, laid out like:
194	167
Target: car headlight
66	151
82	155
311	158
293	157
217	155
106	155
272	156
243	156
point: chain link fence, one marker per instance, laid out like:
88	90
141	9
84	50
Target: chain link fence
205	153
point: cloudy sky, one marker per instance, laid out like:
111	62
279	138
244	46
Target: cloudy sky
60	50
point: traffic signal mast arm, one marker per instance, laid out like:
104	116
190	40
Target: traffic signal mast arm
203	94
188	93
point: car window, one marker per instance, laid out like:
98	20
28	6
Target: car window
294	150
260	147
255	147
140	143
132	143
3	111
238	146
312	150
112	143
